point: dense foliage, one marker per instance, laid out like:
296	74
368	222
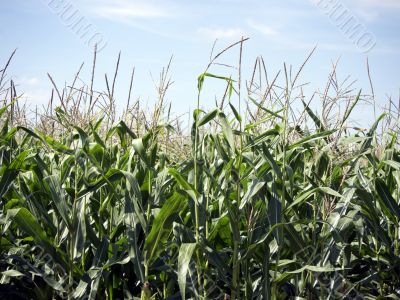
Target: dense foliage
260	208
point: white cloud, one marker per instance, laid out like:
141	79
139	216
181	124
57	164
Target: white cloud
37	97
220	33
387	4
27	81
123	9
372	10
32	81
263	29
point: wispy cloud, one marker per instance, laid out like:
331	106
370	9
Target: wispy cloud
386	4
370	10
36	96
34	90
261	28
29	81
147	16
220	33
127	10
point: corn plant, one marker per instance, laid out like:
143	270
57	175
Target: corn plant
264	204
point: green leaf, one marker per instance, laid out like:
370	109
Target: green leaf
12	273
227	130
387	202
58	197
59	147
304	196
348	111
235	112
139	148
10	172
272	113
185	255
28	224
186	186
254	188
314	117
313	137
162	225
208	117
133	213
275	212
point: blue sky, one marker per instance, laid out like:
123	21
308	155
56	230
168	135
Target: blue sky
149	32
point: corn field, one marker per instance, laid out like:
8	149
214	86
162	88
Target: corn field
254	200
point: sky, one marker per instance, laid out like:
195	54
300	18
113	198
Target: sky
48	38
